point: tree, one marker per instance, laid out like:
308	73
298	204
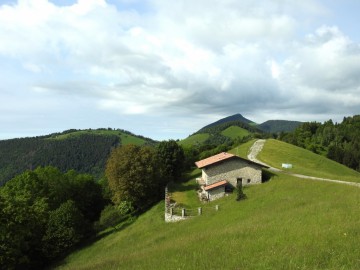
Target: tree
87	194
133	175
171	157
43	213
66	228
23	222
240	195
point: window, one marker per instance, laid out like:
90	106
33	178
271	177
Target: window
248	181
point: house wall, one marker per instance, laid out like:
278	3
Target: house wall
204	176
216	193
231	170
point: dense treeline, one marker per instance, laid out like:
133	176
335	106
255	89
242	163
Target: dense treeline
43	214
86	153
339	141
276	126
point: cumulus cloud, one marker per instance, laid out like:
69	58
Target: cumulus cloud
185	57
323	73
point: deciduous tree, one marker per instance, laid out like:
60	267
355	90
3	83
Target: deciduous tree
171	157
134	176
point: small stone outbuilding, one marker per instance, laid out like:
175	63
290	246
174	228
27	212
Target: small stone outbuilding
226	171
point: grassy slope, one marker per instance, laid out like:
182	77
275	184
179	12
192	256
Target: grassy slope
305	162
125	138
185	193
194	139
243	149
129	139
234	132
286	223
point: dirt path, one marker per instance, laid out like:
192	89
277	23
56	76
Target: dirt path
258	146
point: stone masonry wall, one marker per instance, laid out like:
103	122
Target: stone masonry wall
173	218
230	170
216	193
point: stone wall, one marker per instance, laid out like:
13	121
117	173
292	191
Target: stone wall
173	218
231	170
216	193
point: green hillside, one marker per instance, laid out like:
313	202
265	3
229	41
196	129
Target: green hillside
286	223
126	137
275	126
305	162
233	118
243	149
234	132
194	139
231	132
83	150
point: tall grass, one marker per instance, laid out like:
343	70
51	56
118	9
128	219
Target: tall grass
287	223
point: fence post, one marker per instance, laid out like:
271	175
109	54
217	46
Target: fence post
217	207
183	212
167	199
199	211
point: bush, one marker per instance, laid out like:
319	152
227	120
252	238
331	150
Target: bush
112	215
240	195
66	228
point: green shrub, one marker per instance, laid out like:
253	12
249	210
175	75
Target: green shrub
112	215
240	195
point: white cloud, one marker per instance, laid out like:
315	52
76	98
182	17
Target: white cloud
183	58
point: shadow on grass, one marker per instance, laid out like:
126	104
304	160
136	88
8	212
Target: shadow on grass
186	183
183	186
191	175
91	240
267	175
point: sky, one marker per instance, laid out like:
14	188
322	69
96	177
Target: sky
164	69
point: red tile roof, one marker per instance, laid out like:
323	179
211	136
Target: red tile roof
215	185
214	159
220	157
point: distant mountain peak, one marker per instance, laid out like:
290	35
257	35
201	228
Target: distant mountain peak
235	117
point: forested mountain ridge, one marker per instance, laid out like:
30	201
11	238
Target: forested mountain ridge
83	150
275	126
233	118
339	141
237	127
270	126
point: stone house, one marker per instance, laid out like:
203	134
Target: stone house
225	171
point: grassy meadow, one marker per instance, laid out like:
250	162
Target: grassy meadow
286	223
194	139
234	131
243	149
305	162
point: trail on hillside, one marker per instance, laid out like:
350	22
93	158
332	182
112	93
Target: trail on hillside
258	146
